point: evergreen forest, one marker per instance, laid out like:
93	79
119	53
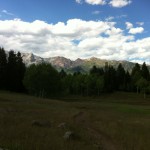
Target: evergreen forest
43	80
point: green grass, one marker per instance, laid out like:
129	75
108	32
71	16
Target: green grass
119	121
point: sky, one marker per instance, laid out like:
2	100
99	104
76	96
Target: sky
106	29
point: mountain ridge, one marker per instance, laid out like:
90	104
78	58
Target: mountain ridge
82	65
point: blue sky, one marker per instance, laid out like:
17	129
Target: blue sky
71	28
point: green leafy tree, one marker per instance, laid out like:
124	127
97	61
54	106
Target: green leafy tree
42	80
100	85
148	88
142	84
67	84
87	85
77	83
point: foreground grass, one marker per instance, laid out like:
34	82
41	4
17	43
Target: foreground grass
119	121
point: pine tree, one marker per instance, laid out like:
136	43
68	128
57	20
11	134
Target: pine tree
3	68
120	74
20	72
62	74
136	69
109	79
12	71
127	81
135	76
94	70
145	72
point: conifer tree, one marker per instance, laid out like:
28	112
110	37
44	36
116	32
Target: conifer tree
11	71
120	74
136	69
3	68
145	72
135	76
127	81
20	72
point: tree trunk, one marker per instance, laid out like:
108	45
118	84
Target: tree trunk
98	91
87	90
144	94
137	90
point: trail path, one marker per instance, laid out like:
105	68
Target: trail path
102	141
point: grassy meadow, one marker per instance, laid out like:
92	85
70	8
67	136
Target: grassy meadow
119	121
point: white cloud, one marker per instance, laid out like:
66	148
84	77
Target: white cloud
129	25
138	51
79	1
136	30
95	38
96	2
7	13
113	3
133	30
119	3
96	12
110	18
140	23
121	16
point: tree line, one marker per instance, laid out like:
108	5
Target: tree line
45	81
12	70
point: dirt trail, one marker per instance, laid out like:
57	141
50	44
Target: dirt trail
102	141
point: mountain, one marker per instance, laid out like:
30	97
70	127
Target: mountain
30	58
82	65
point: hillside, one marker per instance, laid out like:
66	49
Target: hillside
82	65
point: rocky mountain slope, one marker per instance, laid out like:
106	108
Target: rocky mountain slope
82	65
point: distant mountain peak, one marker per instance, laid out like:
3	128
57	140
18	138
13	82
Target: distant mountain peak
83	65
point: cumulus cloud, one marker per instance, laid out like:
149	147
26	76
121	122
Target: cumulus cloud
129	25
113	3
132	30
96	2
95	38
119	3
136	30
